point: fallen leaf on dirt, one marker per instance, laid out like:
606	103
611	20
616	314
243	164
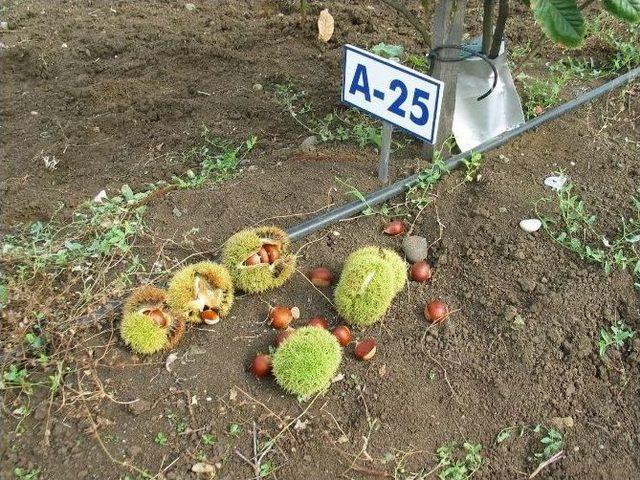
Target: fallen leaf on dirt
343	439
202	467
233	394
169	361
325	25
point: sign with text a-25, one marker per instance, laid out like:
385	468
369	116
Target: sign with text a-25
392	92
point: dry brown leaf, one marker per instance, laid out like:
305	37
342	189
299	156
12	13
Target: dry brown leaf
202	467
325	25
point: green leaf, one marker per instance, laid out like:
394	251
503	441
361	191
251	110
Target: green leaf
628	10
127	193
560	20
388	51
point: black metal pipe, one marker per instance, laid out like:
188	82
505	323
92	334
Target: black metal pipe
379	196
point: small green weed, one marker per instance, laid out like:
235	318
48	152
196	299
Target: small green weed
552	442
267	468
418	195
161	438
573	227
332	127
455	463
472	165
218	159
383	210
208	439
616	336
235	430
24	474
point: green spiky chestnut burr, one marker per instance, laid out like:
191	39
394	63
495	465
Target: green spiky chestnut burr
307	361
201	292
258	259
147	324
369	281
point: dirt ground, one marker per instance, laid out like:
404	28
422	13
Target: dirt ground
109	88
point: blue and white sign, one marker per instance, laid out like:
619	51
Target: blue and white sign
391	92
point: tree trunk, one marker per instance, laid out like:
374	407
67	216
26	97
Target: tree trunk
448	26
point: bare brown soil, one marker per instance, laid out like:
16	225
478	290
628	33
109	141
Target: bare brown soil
136	80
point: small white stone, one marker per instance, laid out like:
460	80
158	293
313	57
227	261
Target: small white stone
4	26
336	233
556	182
64	45
190	6
34	113
530	225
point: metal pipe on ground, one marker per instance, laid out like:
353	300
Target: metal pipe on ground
379	196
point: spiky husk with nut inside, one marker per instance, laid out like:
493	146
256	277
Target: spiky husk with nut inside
200	285
307	361
263	276
140	331
142	334
369	281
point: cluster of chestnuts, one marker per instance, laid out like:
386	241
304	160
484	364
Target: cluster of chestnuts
435	311
282	317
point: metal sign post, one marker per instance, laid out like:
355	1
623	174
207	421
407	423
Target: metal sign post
395	94
385	150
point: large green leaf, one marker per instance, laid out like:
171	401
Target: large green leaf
625	9
561	20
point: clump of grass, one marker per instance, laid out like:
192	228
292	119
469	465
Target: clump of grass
616	336
545	92
572	226
218	159
347	126
458	463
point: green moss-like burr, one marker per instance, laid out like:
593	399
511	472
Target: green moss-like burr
147	325
307	361
142	334
198	286
263	276
369	281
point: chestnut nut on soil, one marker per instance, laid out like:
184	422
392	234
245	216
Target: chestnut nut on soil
261	365
394	227
436	311
421	271
321	277
281	317
319	322
366	349
343	334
